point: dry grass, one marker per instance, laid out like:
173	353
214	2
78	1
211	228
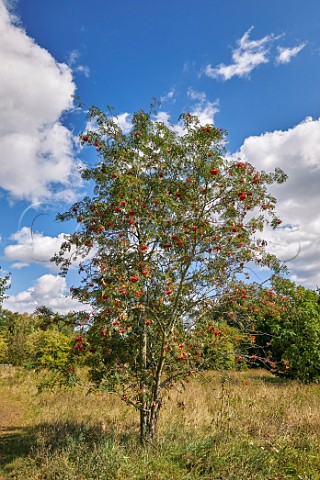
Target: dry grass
246	425
254	403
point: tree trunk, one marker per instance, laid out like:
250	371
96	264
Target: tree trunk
143	383
150	409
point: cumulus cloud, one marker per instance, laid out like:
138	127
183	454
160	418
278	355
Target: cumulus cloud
297	152
163	117
203	108
37	155
285	55
124	122
48	290
248	55
32	248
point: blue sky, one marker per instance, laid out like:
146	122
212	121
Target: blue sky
250	67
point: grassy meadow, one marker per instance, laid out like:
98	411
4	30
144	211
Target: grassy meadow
242	426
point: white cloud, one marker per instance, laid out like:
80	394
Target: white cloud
203	108
19	265
48	290
297	152
187	66
73	62
163	117
33	248
194	95
249	55
36	149
124	122
168	96
286	54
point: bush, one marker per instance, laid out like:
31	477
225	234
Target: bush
49	349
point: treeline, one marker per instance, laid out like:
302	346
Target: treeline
26	341
284	335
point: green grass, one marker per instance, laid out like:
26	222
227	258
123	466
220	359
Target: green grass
249	426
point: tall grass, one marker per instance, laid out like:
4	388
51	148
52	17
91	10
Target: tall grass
243	426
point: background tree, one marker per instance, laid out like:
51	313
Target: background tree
285	326
42	339
292	336
171	222
17	328
3	349
51	349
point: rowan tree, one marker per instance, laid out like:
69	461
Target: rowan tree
171	221
255	309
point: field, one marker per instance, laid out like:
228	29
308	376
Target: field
241	426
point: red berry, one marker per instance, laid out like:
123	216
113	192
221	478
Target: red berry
134	278
242	195
241	165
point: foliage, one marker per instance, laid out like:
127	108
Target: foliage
3	349
171	222
249	306
285	319
294	334
50	349
62	323
219	343
4	285
16	328
38	340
